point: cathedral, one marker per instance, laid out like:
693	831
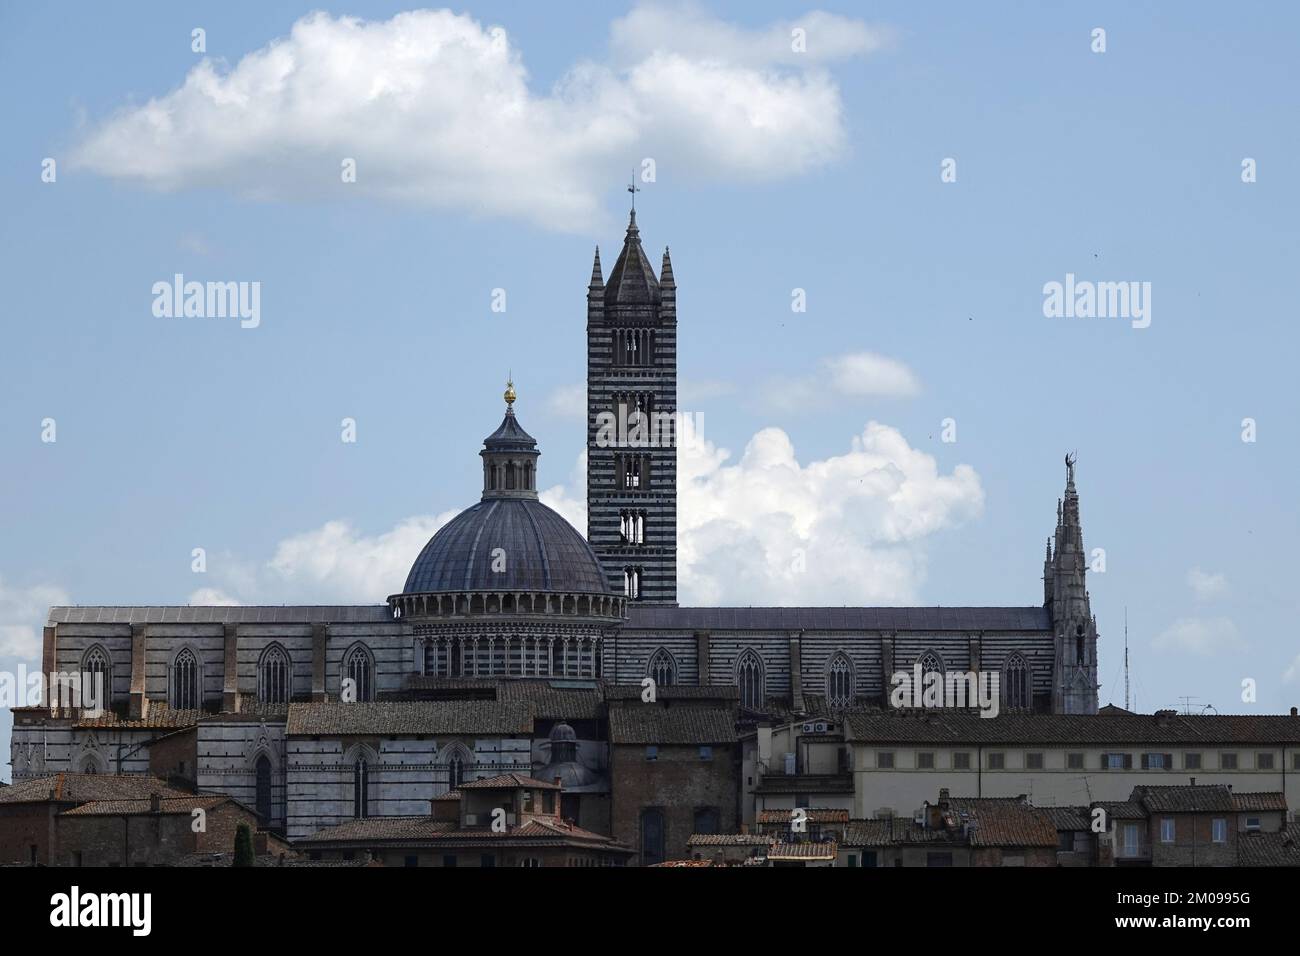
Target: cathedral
513	638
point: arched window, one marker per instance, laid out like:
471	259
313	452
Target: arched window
361	669
274	678
510	476
839	681
1017	683
458	760
455	772
930	664
96	677
360	789
262	769
632	583
752	679
663	669
185	681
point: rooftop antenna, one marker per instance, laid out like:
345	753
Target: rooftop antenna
1126	706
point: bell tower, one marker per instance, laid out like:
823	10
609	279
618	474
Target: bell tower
632	422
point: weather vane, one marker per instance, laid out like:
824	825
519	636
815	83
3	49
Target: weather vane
633	189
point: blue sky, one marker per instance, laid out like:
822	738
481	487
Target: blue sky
925	301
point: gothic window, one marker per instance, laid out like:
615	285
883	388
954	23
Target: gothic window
839	681
185	681
360	789
95	668
262	769
663	669
273	676
457	760
930	664
1016	680
361	670
752	680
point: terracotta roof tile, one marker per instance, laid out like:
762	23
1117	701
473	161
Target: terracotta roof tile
1004	823
1211	798
509	780
84	787
1262	801
185	805
1282	848
730	839
802	851
656	724
410	717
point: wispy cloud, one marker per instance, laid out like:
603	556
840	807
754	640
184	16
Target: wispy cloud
1206	586
1203	636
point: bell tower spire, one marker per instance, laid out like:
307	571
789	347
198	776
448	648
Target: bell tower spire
1065	592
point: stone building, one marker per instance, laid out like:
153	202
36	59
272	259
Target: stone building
154	831
1063	760
674	770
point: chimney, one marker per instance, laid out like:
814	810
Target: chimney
1193	779
155	802
1294	712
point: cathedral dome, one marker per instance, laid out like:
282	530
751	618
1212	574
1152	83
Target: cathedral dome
539	551
509	541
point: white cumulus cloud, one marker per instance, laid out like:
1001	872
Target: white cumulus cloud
848	529
435	107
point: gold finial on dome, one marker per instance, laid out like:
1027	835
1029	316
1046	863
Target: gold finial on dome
510	393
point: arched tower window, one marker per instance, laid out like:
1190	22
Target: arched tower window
96	669
930	664
663	669
361	669
839	681
632	583
274	678
1017	683
185	681
752	678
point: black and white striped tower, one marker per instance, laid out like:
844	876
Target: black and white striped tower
632	423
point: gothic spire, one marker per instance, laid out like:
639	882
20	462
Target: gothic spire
632	280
